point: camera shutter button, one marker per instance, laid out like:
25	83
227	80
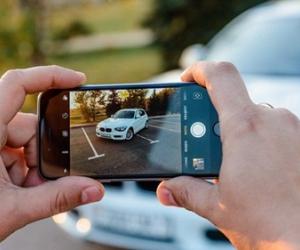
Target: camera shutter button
198	129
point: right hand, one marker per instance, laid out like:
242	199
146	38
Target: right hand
256	201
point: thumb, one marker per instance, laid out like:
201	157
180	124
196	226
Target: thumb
191	193
58	196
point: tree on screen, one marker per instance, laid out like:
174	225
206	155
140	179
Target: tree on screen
90	103
136	99
153	104
113	103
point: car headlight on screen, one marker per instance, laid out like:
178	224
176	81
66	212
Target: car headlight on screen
121	129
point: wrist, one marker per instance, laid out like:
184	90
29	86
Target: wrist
289	241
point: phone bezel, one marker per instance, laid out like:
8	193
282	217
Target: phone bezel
107	86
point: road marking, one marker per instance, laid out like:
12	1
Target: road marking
96	155
168	129
147	139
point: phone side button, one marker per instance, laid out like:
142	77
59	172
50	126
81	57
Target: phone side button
217	129
198	129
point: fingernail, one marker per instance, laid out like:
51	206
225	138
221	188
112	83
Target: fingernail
91	194
81	75
167	197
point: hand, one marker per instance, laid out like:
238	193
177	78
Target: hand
256	200
24	196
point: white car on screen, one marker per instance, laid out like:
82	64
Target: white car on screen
123	125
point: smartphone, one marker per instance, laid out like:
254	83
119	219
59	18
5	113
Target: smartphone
138	131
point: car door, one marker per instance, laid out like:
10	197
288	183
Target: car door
144	118
136	121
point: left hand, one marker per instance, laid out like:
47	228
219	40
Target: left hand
24	196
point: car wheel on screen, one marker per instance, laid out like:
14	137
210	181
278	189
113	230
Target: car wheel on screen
129	134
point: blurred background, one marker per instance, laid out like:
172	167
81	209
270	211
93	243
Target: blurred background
147	40
111	41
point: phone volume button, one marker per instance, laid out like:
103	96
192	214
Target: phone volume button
217	129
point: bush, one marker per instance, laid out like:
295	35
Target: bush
180	23
75	28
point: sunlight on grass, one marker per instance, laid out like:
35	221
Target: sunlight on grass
111	16
128	65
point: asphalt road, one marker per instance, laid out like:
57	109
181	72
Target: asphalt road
45	235
156	149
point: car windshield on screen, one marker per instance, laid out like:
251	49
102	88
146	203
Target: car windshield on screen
127	114
270	47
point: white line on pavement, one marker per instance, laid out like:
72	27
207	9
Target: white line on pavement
168	129
96	155
147	139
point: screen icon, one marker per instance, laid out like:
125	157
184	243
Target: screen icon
65	98
65	152
197	96
198	163
65	133
65	115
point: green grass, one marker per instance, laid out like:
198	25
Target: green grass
110	16
77	118
126	65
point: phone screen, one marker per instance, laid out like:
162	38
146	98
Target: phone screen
136	131
124	131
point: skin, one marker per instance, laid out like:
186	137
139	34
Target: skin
254	203
25	197
256	200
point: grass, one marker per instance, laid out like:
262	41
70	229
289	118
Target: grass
126	65
109	16
77	118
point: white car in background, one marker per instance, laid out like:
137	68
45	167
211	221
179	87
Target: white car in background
123	125
264	43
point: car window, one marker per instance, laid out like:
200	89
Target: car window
127	114
260	47
142	112
138	114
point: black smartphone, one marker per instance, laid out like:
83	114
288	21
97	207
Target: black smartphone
138	131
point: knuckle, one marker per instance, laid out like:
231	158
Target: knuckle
13	74
55	69
226	67
289	117
247	122
60	203
207	208
32	118
184	199
209	69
